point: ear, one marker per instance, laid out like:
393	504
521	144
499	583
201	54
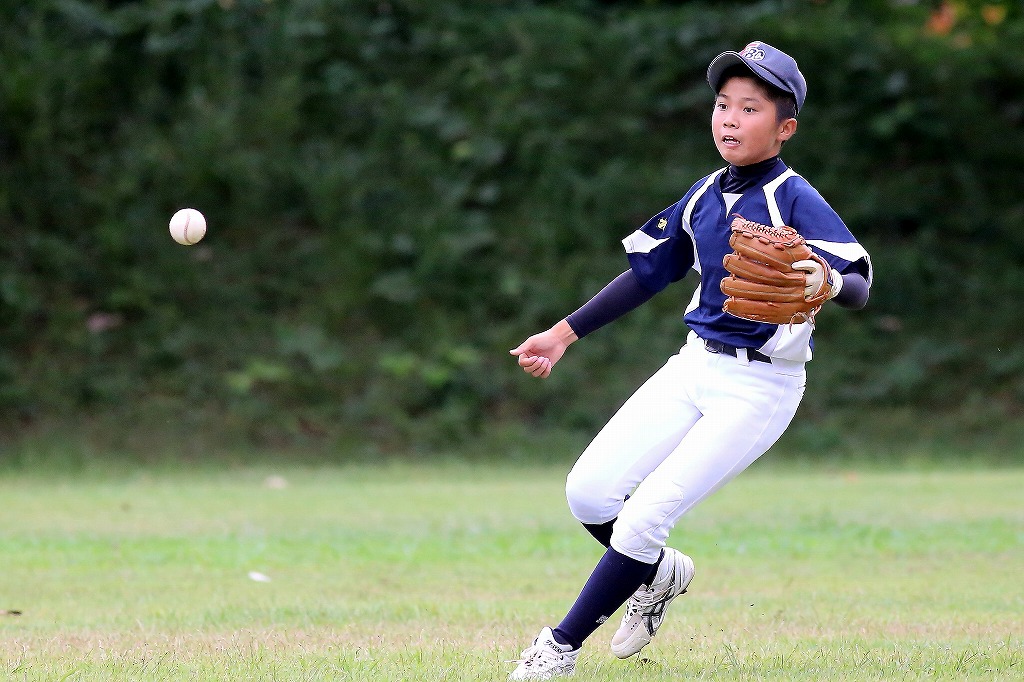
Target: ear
787	129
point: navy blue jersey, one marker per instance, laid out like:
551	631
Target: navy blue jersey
694	233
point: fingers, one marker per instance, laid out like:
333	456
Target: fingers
817	276
529	347
535	365
533	355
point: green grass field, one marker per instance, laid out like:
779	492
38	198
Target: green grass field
445	572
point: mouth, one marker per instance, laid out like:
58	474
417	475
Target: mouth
730	141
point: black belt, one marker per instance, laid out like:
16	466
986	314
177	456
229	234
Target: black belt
719	347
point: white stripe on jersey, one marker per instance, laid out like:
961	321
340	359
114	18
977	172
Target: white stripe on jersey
769	193
694	301
641	242
688	211
851	251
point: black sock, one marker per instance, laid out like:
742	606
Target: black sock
615	578
602	532
654	570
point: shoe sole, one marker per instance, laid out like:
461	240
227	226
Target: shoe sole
640	638
546	675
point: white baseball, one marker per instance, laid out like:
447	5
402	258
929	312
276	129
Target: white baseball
188	226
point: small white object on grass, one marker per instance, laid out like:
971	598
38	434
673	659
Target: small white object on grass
275	482
259	577
187	226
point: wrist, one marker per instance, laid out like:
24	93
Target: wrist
564	332
835	282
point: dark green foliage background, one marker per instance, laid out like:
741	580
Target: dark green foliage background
400	191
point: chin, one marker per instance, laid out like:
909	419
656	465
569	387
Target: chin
732	157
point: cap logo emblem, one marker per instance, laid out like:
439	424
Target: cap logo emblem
753	53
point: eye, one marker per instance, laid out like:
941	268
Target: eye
749	110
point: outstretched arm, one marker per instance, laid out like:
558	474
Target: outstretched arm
620	296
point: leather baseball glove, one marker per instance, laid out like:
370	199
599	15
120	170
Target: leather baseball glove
775	277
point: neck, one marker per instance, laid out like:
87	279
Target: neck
753	169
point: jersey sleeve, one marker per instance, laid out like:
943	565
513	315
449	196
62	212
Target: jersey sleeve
828	236
661	252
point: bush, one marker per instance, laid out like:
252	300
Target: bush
399	192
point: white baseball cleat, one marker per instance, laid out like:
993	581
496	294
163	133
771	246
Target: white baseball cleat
545	659
645	610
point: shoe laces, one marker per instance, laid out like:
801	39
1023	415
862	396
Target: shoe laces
649	598
646	598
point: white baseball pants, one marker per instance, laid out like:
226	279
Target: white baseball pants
695	424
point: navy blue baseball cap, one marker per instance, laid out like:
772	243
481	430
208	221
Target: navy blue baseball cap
767	63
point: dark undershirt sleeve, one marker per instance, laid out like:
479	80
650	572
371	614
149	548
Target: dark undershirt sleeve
854	294
622	294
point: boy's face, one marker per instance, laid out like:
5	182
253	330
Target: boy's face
744	123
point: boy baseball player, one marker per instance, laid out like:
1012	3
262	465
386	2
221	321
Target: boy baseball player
732	389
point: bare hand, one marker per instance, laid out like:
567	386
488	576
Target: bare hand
538	354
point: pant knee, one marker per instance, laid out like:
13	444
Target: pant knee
637	538
589	501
